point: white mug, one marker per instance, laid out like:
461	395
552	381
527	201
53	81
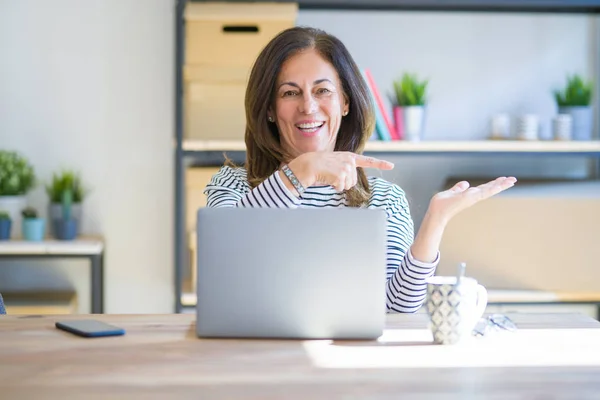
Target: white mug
454	307
562	126
528	127
500	126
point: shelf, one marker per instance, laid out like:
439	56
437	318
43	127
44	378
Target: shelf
207	152
481	146
79	246
213	145
570	6
188	299
496	296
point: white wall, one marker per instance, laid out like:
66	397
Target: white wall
90	85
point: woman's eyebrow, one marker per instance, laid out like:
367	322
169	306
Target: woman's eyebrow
298	86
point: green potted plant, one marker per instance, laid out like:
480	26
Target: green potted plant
17	177
575	100
409	105
34	227
5	225
65	227
65	181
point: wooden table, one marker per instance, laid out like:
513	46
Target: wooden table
91	249
552	356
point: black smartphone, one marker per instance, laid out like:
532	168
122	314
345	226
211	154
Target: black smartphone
90	328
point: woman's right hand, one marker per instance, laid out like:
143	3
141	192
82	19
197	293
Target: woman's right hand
337	168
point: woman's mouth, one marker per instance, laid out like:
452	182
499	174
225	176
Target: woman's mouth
310	128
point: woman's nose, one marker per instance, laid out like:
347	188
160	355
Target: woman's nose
309	105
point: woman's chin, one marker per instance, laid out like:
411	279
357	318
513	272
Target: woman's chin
311	149
314	144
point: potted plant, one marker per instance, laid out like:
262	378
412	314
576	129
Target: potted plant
16	179
575	100
33	226
65	227
61	183
409	109
5	225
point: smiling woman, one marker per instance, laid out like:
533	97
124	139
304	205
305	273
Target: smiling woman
316	100
308	114
308	117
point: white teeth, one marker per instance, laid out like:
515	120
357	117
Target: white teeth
310	126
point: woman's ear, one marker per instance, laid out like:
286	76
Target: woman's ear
346	107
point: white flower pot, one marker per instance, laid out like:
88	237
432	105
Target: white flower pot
414	121
582	121
13	205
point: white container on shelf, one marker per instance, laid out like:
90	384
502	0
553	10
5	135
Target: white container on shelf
500	126
414	121
527	127
562	126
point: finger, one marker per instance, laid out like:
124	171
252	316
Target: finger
372	162
350	173
496	186
340	182
349	182
499	183
460	187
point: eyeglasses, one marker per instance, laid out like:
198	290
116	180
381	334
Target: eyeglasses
494	323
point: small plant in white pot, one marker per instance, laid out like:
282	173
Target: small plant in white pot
34	227
5	225
575	100
17	177
61	183
410	101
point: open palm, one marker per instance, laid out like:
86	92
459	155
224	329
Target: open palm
461	196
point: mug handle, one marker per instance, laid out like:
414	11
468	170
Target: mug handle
482	300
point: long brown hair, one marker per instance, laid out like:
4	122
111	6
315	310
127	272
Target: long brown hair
264	153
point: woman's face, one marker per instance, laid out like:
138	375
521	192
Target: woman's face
309	104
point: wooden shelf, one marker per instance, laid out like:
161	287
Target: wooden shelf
480	146
188	299
572	6
80	246
496	296
213	145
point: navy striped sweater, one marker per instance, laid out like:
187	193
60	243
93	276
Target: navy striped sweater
405	287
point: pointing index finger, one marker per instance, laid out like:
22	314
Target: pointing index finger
372	162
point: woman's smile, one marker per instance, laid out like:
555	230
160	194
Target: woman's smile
310	128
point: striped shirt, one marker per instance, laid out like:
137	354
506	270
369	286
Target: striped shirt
405	284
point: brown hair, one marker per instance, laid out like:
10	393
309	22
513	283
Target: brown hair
264	153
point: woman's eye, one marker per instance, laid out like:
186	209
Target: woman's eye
323	91
289	93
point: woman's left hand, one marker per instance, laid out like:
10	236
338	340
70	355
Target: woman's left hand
445	205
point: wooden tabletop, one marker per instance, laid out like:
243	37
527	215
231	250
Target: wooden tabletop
551	356
79	246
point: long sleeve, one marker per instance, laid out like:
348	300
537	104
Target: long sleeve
230	188
405	288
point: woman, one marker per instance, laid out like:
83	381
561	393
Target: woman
309	115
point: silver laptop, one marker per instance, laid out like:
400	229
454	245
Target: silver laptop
291	273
